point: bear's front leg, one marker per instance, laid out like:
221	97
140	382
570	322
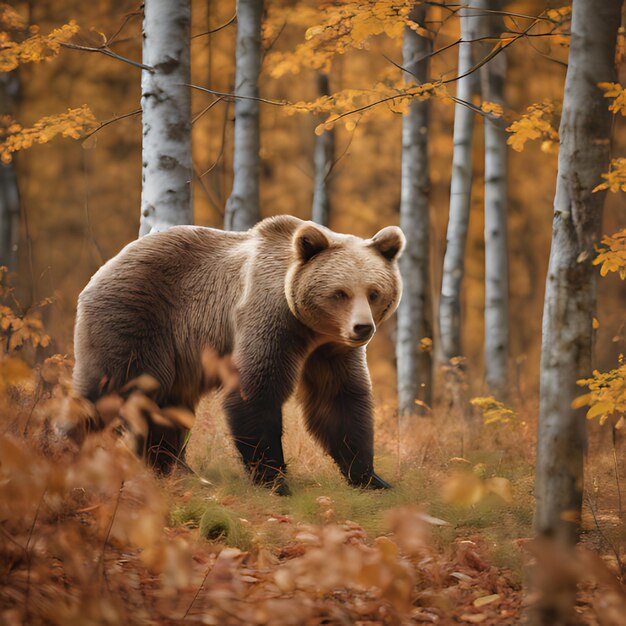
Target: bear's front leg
337	401
256	425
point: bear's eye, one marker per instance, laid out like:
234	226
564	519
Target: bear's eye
340	294
373	296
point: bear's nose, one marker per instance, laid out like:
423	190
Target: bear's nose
363	331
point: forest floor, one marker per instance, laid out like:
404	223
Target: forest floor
88	535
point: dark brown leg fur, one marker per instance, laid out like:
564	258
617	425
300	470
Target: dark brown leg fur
256	426
337	402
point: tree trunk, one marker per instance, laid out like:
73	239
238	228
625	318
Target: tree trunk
571	283
414	317
323	158
9	193
492	78
460	195
242	208
166	108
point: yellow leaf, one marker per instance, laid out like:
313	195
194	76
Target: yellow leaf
581	401
485	600
501	487
599	408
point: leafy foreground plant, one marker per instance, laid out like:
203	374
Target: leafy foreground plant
83	542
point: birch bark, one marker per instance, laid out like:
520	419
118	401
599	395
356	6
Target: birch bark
414	316
166	198
9	193
571	282
492	78
323	159
460	195
242	207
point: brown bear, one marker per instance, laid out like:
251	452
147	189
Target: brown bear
294	303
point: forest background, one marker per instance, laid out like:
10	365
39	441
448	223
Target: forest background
80	200
79	204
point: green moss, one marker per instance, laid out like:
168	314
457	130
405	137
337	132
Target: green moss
219	524
189	513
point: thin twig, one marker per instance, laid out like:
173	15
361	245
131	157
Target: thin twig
615	466
127	18
35	403
110	121
108	533
271	44
604	537
27	550
215	30
195	597
344	152
104	50
205	110
231	96
454	8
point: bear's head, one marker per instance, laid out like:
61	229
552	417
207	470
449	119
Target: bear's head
342	286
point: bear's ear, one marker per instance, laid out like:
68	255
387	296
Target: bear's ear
389	242
309	241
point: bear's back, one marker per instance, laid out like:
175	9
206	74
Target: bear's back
154	306
168	296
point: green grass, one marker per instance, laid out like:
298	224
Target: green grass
218	508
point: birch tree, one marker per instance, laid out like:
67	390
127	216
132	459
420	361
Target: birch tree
460	194
242	208
166	198
9	193
323	159
492	79
571	287
414	316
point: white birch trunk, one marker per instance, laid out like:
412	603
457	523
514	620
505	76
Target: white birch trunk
492	78
460	196
414	316
571	282
323	159
242	208
9	193
166	116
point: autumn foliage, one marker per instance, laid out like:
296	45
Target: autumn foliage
89	535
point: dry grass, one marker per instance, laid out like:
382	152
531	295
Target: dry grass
89	536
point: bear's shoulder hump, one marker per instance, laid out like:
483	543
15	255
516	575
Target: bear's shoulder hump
281	226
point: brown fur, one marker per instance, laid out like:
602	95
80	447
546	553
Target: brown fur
291	301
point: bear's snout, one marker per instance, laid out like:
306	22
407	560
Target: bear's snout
361	332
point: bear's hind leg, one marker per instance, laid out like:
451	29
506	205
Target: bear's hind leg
164	448
337	401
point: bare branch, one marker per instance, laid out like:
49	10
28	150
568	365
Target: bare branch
127	18
206	109
104	50
233	96
110	121
215	30
454	8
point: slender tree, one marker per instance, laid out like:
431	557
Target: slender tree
9	193
460	193
492	79
571	287
242	208
166	197
323	159
414	317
